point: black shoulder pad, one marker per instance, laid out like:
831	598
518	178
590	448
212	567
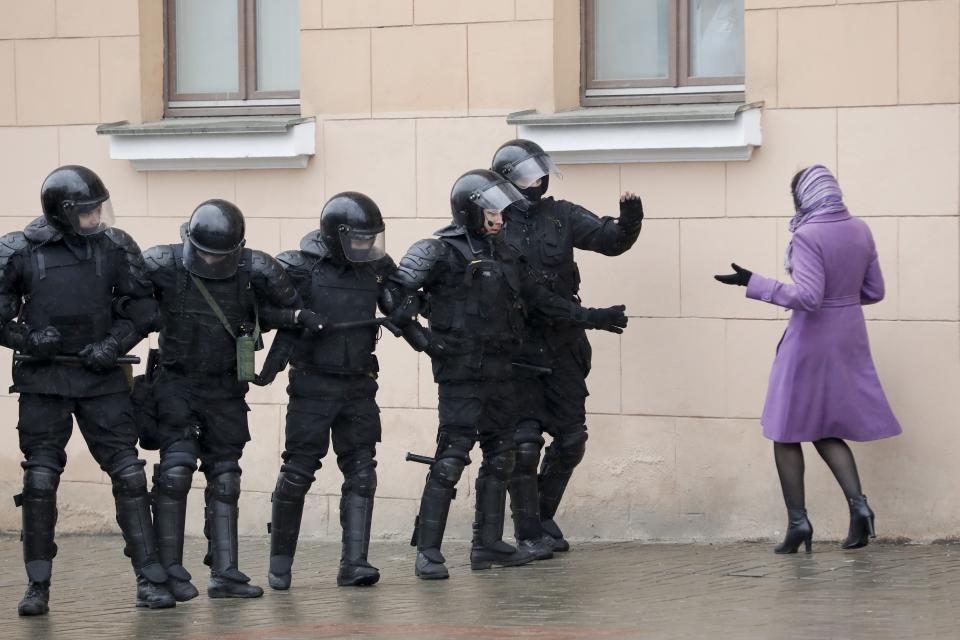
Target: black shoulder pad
312	244
416	266
293	259
159	257
10	244
122	239
40	232
266	269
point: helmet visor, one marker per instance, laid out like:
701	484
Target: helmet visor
92	217
528	171
213	266
363	245
498	197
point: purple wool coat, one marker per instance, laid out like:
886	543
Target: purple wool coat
823	383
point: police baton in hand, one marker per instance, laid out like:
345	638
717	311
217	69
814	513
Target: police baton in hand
24	357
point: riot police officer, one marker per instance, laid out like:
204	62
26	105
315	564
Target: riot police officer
546	233
476	292
214	295
65	282
339	274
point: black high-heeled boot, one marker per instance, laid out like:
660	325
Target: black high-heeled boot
861	524
799	531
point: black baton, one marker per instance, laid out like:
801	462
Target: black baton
24	357
413	457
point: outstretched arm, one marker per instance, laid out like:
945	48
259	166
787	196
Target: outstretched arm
806	294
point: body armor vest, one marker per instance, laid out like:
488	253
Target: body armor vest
546	242
73	294
341	295
193	339
480	301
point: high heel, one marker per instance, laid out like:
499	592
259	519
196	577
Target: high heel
861	524
799	531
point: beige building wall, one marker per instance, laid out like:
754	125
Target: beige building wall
410	93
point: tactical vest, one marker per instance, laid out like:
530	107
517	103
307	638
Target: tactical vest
480	301
547	245
341	295
75	295
193	339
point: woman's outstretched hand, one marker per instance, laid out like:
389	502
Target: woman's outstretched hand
740	276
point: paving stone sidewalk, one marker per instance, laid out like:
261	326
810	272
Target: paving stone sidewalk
599	590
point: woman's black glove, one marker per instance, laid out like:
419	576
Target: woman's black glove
740	276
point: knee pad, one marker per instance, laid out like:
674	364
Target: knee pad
131	481
292	486
527	458
571	447
226	487
221	467
174	482
447	471
37	479
362	483
529	432
47	461
499	465
182	453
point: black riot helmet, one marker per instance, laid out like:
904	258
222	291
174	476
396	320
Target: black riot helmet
481	189
523	162
352	228
75	201
213	240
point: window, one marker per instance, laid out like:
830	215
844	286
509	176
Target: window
662	51
232	57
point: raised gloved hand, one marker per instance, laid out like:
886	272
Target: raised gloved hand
444	346
631	211
311	321
739	277
612	319
102	355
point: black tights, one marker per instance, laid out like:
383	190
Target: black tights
834	451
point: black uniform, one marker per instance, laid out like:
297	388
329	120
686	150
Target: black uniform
332	389
200	407
546	235
63	294
475	295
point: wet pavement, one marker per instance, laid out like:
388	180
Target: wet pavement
598	590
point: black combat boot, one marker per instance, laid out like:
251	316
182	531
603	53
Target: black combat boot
133	516
34	602
434	508
170	490
356	515
226	579
287	513
488	548
39	503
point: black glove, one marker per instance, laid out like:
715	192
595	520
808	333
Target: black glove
406	310
311	321
43	344
102	355
444	346
740	276
610	319
631	211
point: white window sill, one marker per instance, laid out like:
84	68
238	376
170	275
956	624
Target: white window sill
655	133
264	142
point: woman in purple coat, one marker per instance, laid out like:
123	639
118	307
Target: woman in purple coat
823	385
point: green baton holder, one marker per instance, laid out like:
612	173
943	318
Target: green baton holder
246	344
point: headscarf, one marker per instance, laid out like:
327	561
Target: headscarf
817	193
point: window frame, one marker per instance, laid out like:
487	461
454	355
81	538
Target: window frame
677	88
247	100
